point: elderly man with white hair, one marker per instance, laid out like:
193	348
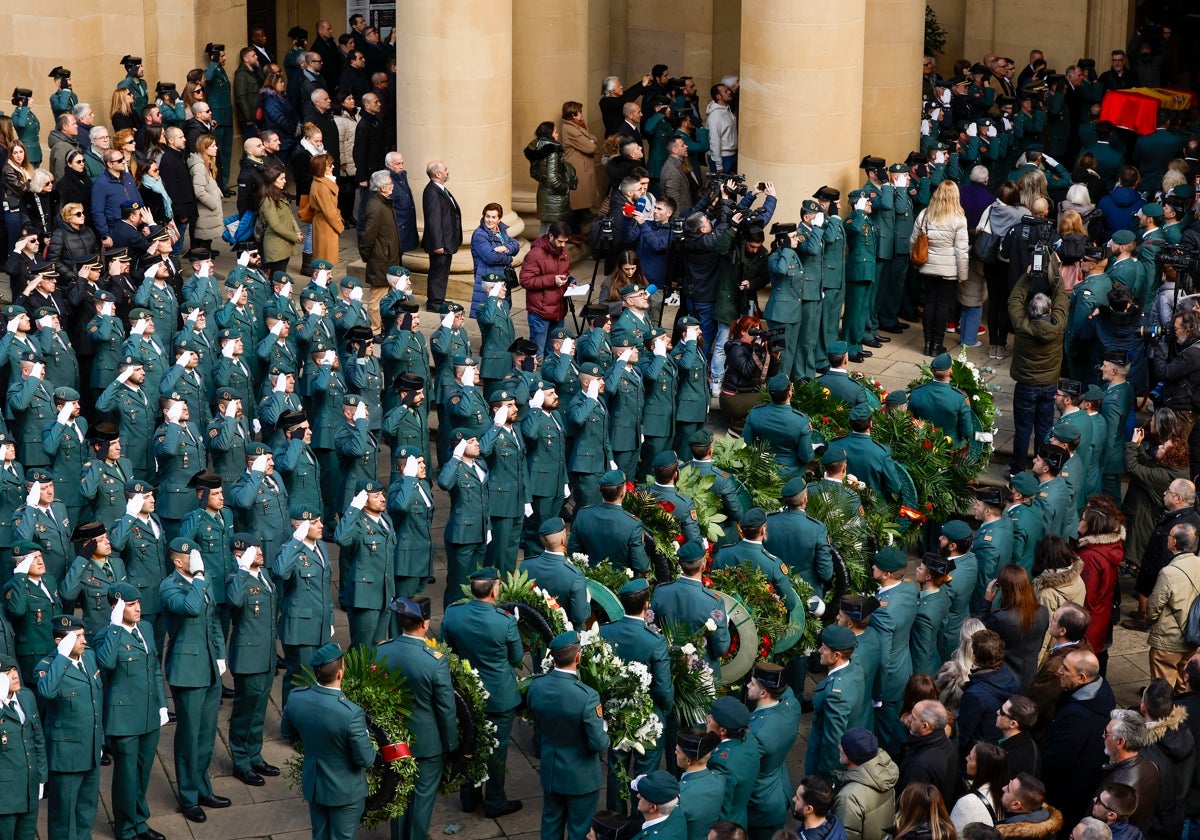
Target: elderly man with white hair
378	240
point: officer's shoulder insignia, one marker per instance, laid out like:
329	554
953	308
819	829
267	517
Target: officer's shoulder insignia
455	400
784	567
1044	494
436	654
599	710
987	537
212	433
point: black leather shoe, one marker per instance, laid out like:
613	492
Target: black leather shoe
172	717
857	358
903	326
151	834
866	354
226	693
882	338
215	801
265	769
249	777
105	759
872	342
194	813
512	808
821	371
938	349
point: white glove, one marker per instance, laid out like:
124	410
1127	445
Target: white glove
134	506
243	259
411	467
184	359
501	416
322	278
356	293
193	316
972	130
256	425
117	616
487	539
64	414
124	375
175	412
460	448
328	358
468	377
163	716
13	324
660	346
277	328
259	464
285	291
205	269
612	465
538	399
231	408
301	532
568	347
247	559
360	411
494	291
925	128
46	322
991	131
902	180
229	350
38	371
1049	160
280	383
221	667
34	495
944	96
360	499
816	606
626	355
528	510
447	321
861	204
691	334
819	220
935	115
593	389
41	790
24	566
195	562
331	629
566	491
939	157
66	645
239	294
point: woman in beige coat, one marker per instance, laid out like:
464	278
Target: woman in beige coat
323	204
202	165
580	151
945	223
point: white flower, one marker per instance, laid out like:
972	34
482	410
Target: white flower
974	398
580	559
629	573
710	626
689	649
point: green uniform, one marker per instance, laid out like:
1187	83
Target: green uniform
22	765
497	333
843	388
213	535
138	87
894	620
1089	294
30	409
427	675
12	497
692	397
139	540
833	278
834	701
775	570
30	606
686	602
869	653
296	461
508	493
787	430
545	442
932	607
368	544
776	728
625	391
860	279
337	753
194	658
1028	531
160	299
1118	401
410	502
682	509
467	526
87	584
737	761
945	407
226	439
180	455
253	603
262	506
357	448
661	381
872	463
50	528
791	289
993	548
591	452
803	543
154	360
701	795
559	576
103	485
364	377
1057	508
136	418
407	427
606	531
325	416
488	638
74	729
569	718
959	591
305	577
62	366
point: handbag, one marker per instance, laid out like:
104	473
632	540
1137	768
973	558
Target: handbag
986	246
919	253
510	277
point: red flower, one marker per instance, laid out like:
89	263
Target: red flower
929	506
679	539
629	487
707	581
765	648
735	642
826	420
669	507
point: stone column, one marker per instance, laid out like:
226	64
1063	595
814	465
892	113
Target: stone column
549	67
801	111
891	96
454	104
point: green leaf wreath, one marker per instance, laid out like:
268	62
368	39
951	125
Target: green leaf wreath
539	616
752	465
691	675
476	734
748	584
660	527
387	702
604	573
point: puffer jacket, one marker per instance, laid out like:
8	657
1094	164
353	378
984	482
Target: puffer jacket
1101	555
555	178
488	260
68	247
1054	588
543	296
1047	826
1119	207
866	802
948	249
1037	344
1172	749
1177	586
982	697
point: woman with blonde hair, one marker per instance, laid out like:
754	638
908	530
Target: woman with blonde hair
953	675
1072	242
120	111
1032	186
72	242
202	164
945	225
327	224
39	205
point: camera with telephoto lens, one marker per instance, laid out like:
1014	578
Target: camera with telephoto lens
1041	233
773	338
1148	332
1183	260
676	230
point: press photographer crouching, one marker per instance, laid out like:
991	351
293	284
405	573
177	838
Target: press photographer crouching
749	361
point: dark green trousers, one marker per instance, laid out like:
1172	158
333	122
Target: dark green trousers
19	826
251	693
891	291
368	627
544	507
195	736
831	316
335	822
461	560
586	487
501	552
295	657
72	800
495	799
854	327
791	360
133	759
572	814
414	824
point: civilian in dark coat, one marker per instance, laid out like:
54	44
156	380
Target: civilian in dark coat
326	47
1189	701
176	179
991	683
404	206
1022	639
1015	721
379	242
1073	752
369	147
613	99
1172	749
932	757
443	231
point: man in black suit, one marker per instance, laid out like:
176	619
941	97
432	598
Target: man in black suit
443	231
258	42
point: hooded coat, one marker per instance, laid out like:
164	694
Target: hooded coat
1101	555
1047	827
1172	748
982	697
1054	588
555	178
1143	502
866	800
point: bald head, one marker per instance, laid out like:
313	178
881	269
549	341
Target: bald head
1185	491
1040	208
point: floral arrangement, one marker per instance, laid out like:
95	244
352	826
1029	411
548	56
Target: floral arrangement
387	702
538	614
605	573
695	688
624	689
875	392
975	382
476	734
810	638
830	417
698	487
662	529
855	533
749	585
752	465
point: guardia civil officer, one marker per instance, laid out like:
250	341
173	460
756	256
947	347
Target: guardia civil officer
775	721
834	700
701	790
487	637
23	758
552	571
337	748
737	757
893	618
368	543
658	805
427	673
410	503
606	531
686	601
305	577
570	719
465	477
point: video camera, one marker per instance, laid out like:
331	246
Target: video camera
773	338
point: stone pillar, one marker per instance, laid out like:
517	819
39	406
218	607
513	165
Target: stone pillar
1109	25
454	104
549	67
891	96
801	111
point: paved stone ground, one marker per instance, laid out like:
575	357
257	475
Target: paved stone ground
277	811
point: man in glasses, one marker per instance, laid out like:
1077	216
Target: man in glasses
114	188
93	157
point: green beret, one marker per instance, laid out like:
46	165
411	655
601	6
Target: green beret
891	559
729	712
1065	432
657	787
563	640
862	411
553	525
64	624
394	270
700	438
838	348
369	485
1025	483
325	654
941	361
897	397
836	637
664	459
632	289
1152	211
486	573
1123	237
22	548
634	586
778	382
810	206
835	453
592	369
689	551
956	530
465	433
464	361
66	394
754	518
450	306
1093	393
179	545
612	478
501	396
353	283
136	485
794	487
255	448
304	513
318	265
7	663
125	591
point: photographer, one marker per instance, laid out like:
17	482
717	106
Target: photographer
1181	376
1039	324
615	232
1117	326
703	265
748	363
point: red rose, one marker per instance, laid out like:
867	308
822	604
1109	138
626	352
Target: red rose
679	539
826	420
929	506
707	581
928	444
629	487
669	507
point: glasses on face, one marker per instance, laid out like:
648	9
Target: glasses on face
130	143
1003	714
1100	802
78	214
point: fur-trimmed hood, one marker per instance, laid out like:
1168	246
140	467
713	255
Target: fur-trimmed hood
1158	729
1058	578
1102	539
542	147
1045	828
